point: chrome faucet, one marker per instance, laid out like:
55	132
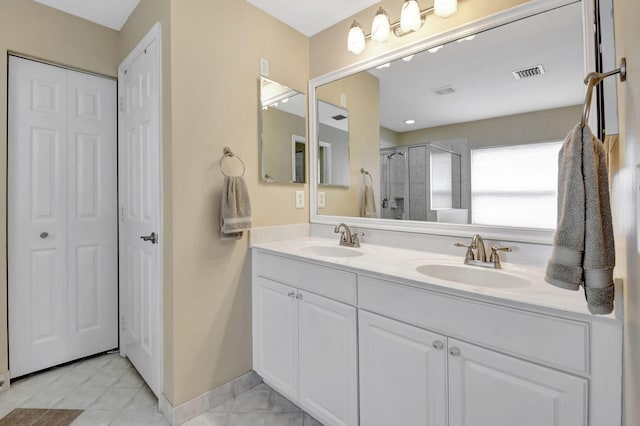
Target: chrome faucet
348	238
479	258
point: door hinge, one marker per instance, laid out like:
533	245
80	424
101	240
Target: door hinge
122	104
123	323
122	215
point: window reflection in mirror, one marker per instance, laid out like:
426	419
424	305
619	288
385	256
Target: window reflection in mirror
283	126
438	107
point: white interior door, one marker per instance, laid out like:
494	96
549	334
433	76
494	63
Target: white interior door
62	211
140	221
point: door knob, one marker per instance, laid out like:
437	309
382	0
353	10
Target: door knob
153	238
44	235
454	351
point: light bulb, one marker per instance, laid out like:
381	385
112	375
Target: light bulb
445	8
355	40
435	49
410	16
381	29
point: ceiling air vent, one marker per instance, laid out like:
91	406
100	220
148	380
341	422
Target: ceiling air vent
528	72
446	90
339	117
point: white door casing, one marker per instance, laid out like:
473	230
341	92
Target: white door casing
62	250
140	201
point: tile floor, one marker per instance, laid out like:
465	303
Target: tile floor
111	392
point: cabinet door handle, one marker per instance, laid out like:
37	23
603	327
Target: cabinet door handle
454	351
292	294
299	296
44	235
438	345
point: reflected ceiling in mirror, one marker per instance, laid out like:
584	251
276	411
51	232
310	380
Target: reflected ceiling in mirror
515	85
282	133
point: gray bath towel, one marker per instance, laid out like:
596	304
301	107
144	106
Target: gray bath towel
235	209
583	249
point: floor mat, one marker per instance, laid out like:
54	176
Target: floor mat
39	417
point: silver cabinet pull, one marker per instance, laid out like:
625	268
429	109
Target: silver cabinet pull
299	296
153	238
44	235
438	345
291	294
454	351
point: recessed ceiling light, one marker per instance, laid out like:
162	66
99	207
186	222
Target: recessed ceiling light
435	49
408	58
409	121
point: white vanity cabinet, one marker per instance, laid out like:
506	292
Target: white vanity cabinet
304	344
353	347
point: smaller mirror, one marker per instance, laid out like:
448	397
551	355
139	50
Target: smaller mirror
333	145
282	133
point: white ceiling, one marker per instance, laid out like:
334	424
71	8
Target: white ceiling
110	13
480	72
312	16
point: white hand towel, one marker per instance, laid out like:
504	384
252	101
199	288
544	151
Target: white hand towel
583	250
235	208
368	208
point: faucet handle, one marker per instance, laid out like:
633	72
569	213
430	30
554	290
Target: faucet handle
469	254
355	238
494	255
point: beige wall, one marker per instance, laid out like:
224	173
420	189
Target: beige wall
362	93
624	197
146	14
29	28
538	126
278	127
216	46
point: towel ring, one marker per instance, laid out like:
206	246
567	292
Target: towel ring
227	153
364	176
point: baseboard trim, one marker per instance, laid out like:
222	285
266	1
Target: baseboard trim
208	400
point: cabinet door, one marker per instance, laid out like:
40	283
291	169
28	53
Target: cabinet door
275	335
491	389
402	374
328	364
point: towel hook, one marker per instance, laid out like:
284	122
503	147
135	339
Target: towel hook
593	79
364	176
227	153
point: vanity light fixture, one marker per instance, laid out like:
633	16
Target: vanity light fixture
408	58
409	121
445	8
435	49
383	66
411	19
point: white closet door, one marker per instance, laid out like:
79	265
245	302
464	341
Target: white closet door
141	288
62	279
92	215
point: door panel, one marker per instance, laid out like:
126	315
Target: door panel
37	227
488	388
328	359
92	214
395	356
140	216
276	335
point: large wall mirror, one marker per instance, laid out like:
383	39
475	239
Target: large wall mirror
282	133
466	133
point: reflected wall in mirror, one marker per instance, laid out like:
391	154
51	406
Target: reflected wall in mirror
333	145
469	132
282	133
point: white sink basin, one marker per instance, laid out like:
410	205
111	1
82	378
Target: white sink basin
474	275
332	251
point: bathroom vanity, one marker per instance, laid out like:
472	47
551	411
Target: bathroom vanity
375	336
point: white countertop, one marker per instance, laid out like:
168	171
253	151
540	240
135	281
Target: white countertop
401	264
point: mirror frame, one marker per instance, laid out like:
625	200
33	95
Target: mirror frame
528	235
